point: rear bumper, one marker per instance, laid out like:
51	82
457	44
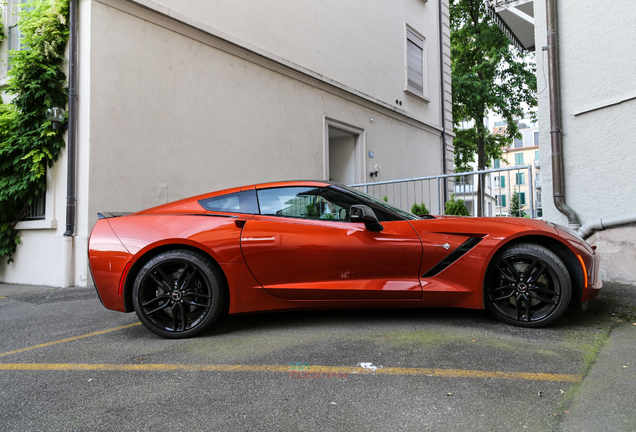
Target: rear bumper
108	259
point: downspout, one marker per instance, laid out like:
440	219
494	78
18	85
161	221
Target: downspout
72	123
558	192
71	147
590	228
443	98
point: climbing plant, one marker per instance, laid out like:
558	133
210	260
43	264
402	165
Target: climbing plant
28	142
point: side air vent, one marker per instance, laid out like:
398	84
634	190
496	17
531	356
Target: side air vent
453	256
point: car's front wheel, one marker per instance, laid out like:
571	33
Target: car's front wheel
527	285
178	294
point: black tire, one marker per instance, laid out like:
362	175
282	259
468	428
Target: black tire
178	294
527	285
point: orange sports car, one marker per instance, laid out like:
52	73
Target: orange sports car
321	245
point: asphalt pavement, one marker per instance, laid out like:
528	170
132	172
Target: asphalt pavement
66	363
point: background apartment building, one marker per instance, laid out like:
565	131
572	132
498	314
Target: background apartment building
182	98
524	151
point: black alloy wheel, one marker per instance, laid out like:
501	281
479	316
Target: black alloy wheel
178	294
528	286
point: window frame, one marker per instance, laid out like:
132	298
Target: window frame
522	198
414	39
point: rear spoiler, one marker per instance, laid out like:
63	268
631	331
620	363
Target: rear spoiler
107	215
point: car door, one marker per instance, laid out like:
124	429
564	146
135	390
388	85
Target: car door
303	247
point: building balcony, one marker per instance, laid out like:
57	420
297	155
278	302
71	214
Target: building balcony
516	20
537	163
537	184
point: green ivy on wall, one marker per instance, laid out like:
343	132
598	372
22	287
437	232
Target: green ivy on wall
28	143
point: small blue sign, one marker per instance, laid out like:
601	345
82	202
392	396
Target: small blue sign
371	154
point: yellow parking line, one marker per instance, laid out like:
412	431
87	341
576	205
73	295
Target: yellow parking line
68	339
312	372
2	297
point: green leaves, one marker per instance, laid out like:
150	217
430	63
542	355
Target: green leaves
28	144
457	208
488	75
419	209
515	206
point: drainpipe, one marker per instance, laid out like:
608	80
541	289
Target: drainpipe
590	228
558	192
71	146
443	98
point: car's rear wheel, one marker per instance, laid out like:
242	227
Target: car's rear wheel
527	285
178	294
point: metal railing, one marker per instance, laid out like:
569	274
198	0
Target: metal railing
403	193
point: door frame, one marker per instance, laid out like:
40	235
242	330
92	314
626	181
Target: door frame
359	147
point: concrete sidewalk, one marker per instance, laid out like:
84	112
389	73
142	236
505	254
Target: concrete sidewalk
606	398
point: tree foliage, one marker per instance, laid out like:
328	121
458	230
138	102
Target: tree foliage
515	206
419	209
489	75
457	208
28	144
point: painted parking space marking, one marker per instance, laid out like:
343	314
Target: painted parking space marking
68	339
311	371
315	370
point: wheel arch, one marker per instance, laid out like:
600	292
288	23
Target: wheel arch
566	255
136	267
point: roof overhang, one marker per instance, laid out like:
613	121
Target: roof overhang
516	20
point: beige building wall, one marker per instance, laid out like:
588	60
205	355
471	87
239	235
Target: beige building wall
182	98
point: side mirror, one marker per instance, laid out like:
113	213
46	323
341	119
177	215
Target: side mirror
362	213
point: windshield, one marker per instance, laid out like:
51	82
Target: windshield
379	202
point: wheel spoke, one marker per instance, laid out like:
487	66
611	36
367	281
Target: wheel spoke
163	279
196	294
534	271
528	304
544	299
505	287
514	276
182	275
543	290
177	310
193	303
190	278
157	309
504	297
156	299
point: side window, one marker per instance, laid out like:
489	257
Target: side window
305	202
239	202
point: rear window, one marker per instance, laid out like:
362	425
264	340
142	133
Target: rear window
239	202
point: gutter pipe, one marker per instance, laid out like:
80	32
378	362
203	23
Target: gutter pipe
71	147
71	181
443	98
558	193
601	224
